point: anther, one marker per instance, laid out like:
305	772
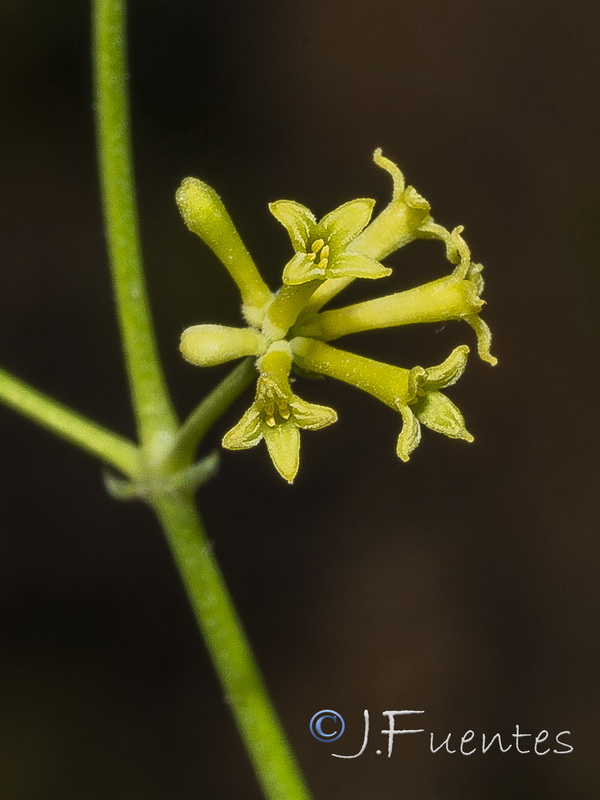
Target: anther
284	409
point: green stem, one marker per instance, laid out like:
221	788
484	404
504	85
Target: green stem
240	677
75	428
208	412
233	659
154	414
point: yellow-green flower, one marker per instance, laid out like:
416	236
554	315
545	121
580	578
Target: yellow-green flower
454	297
277	415
414	393
288	328
324	249
406	217
432	408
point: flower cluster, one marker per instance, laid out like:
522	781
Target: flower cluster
288	329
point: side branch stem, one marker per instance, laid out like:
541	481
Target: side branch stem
75	428
203	417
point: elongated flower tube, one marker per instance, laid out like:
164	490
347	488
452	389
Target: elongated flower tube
277	415
413	393
287	304
205	215
405	218
454	297
438	301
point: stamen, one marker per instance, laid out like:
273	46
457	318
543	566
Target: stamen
284	409
317	245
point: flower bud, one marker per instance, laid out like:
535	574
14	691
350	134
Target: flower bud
206	216
208	345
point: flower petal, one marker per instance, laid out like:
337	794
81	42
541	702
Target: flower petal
449	371
310	416
474	275
484	339
247	433
354	265
343	224
441	415
296	219
302	269
283	444
410	435
392	169
458	252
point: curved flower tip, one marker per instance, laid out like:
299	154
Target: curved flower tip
393	169
448	372
458	252
406	217
484	339
277	415
407	194
323	249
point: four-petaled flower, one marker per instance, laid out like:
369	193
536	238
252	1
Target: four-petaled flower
324	248
277	415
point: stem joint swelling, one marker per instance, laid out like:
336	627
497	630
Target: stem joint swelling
151	485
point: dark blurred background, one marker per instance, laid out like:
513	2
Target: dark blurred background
465	583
